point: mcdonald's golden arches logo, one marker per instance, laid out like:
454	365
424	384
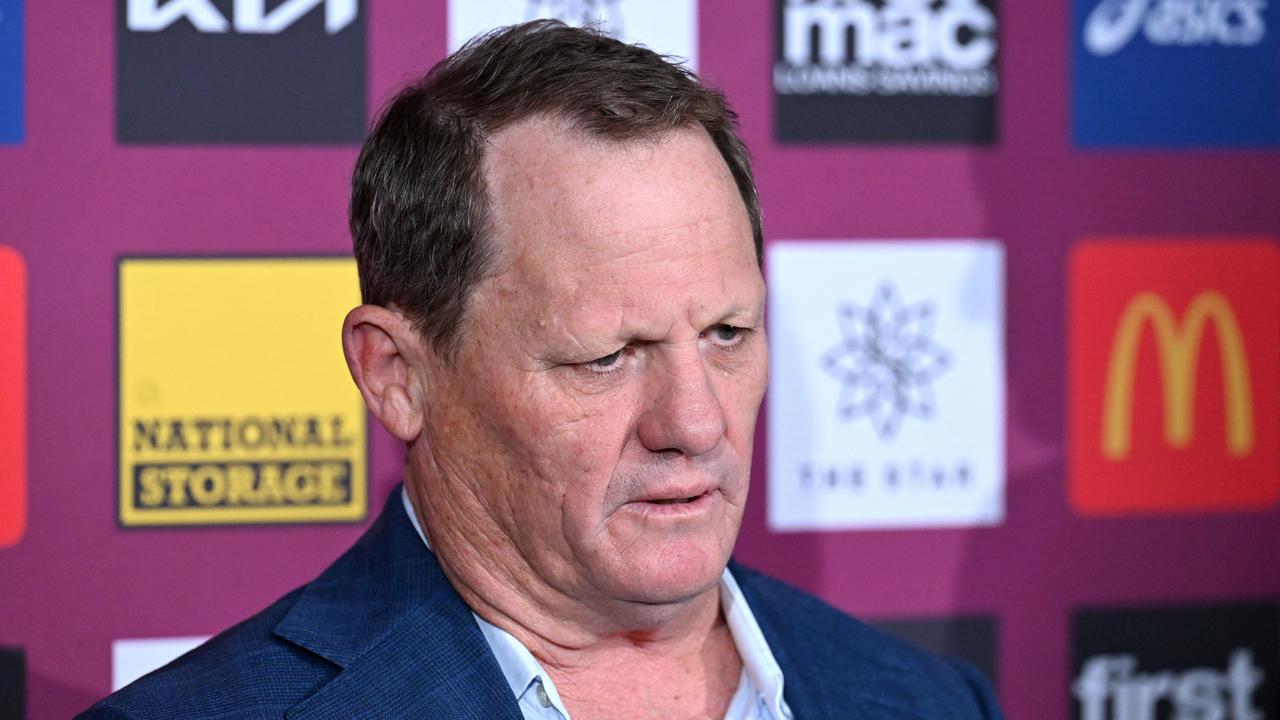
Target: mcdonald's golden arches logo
1178	346
1173	361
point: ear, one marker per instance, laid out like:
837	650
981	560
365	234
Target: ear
381	350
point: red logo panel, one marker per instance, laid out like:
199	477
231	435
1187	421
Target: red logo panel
13	397
1174	375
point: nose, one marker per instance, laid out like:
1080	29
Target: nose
683	413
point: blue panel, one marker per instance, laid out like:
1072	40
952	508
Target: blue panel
1176	73
11	72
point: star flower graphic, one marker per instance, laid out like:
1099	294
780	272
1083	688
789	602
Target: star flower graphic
886	361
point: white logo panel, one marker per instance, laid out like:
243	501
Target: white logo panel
886	395
669	27
131	659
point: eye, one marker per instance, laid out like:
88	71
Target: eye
605	364
727	335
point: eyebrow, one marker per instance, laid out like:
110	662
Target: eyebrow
753	312
738	313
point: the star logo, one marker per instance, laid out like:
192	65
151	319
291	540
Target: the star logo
603	14
886	361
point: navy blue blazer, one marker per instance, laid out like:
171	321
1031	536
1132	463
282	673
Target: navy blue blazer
382	634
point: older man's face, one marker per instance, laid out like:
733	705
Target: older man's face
601	410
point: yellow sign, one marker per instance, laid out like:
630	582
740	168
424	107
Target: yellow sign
1178	344
235	405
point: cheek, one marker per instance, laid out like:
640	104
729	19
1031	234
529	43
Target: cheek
580	469
741	395
586	447
566	444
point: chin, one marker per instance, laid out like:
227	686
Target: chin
677	573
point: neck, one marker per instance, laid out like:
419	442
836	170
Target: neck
567	627
594	647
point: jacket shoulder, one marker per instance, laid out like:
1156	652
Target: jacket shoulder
853	664
245	671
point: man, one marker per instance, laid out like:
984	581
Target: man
559	246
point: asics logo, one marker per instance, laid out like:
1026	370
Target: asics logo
1114	23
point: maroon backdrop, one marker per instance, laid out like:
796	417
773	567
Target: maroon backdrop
73	200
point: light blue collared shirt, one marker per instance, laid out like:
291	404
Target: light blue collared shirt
759	693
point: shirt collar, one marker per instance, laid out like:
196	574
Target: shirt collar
758	663
523	671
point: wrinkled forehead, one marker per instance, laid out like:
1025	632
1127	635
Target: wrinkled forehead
566	206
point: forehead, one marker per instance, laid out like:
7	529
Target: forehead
567	208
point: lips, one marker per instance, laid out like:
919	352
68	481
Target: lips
675	504
675	495
673	501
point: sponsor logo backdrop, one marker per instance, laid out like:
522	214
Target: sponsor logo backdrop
235	403
1176	73
970	638
1174	366
12	72
667	26
239	71
1175	662
13	406
177	186
13	682
887	386
892	70
133	658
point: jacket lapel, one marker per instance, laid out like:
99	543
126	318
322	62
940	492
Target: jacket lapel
406	643
802	690
816	683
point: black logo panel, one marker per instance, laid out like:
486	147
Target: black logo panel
240	71
1174	663
886	71
971	638
13	683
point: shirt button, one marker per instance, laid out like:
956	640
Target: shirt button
542	696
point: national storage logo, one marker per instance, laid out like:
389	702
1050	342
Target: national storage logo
886	70
1174	360
235	402
886	394
1213	661
240	71
13	397
1176	73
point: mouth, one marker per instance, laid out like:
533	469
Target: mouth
674	501
674	506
